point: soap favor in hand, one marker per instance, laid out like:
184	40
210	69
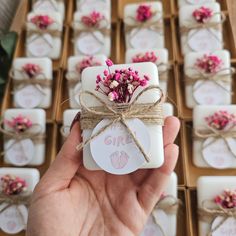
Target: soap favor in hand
32	82
24	136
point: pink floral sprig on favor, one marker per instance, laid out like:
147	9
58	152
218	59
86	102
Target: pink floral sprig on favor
143	13
209	63
220	119
19	124
120	85
12	185
32	69
202	14
227	199
42	21
93	19
145	57
86	62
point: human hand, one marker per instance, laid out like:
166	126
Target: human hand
73	201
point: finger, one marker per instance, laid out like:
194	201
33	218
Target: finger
152	188
170	129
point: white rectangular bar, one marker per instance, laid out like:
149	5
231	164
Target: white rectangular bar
200	39
68	117
43	96
193	2
207	92
35	150
44	44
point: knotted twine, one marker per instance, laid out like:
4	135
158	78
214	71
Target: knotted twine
150	113
208	214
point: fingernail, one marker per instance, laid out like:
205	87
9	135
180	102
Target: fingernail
76	119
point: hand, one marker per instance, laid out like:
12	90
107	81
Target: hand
73	201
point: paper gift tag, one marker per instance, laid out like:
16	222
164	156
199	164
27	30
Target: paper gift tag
20	152
208	93
13	220
144	38
228	228
44	5
91	5
90	43
203	40
29	97
115	151
77	90
217	154
40	46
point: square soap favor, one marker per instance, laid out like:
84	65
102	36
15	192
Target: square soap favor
201	28
208	78
32	82
24	136
214	143
193	2
144	27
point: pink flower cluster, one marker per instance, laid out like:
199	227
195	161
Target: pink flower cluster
143	13
86	62
12	185
146	57
209	63
19	123
31	69
93	19
120	85
42	21
202	14
219	120
227	199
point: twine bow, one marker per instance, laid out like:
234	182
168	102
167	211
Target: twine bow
151	113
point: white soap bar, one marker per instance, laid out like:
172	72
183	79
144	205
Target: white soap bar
25	152
44	45
155	131
196	40
95	41
74	74
216	156
50	6
144	38
207	92
193	2
208	187
167	221
161	55
31	96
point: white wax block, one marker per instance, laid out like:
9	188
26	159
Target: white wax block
208	187
193	2
161	62
141	38
199	122
72	63
200	39
155	131
211	97
46	73
168	109
92	43
50	6
44	45
37	116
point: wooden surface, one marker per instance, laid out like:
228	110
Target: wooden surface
232	15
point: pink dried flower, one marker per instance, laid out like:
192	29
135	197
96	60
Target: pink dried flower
12	185
86	62
93	19
143	13
202	14
42	21
219	120
227	199
145	57
109	62
19	123
31	69
209	63
120	85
